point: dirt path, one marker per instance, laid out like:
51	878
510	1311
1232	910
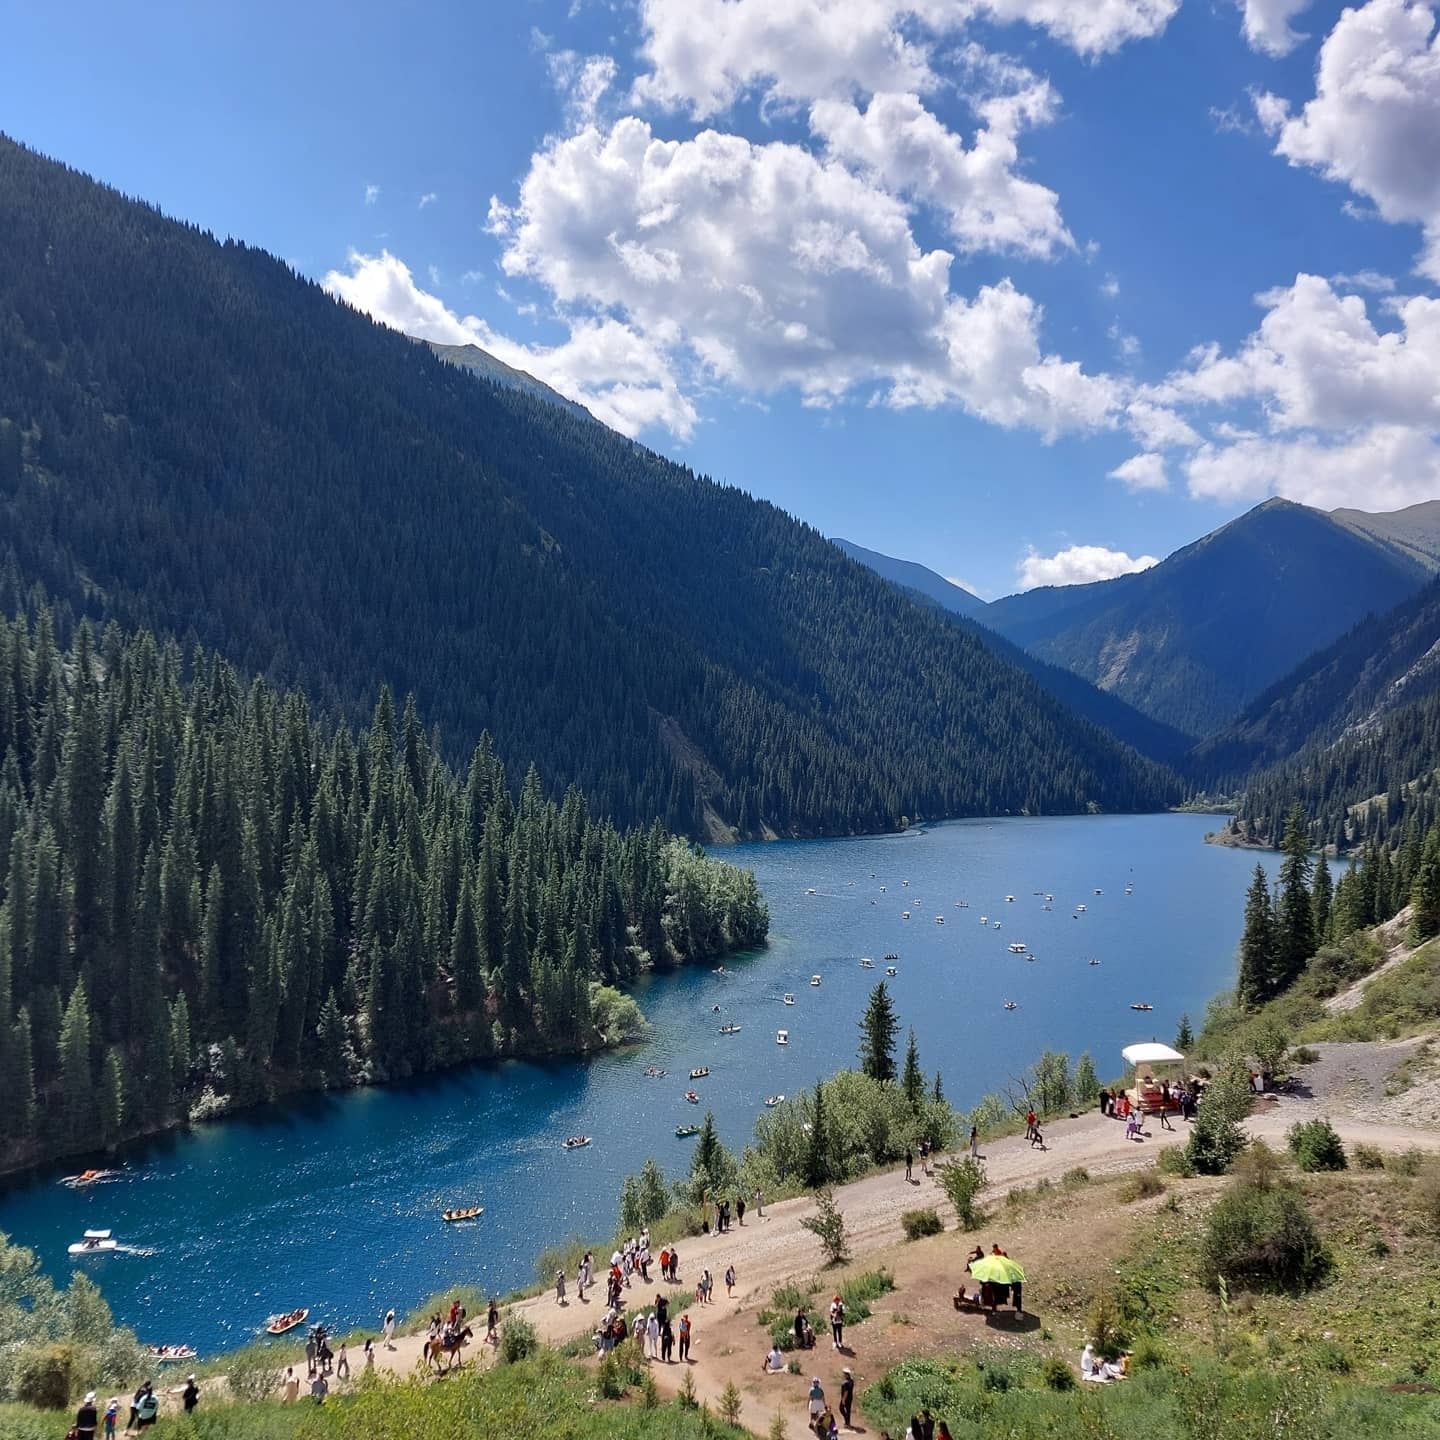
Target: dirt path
774	1248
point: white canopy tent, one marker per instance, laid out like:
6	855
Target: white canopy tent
1151	1053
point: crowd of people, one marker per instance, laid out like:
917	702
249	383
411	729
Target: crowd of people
91	1420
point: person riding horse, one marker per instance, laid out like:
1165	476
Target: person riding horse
450	1344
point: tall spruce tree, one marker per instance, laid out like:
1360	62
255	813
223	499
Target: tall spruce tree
815	1170
1322	898
913	1077
878	1029
1257	980
1425	891
1294	914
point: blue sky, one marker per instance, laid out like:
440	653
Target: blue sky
1027	290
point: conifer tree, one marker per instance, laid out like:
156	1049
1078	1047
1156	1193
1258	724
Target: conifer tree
112	1096
816	1168
77	1081
1425	891
913	1080
466	969
938	1093
1257	945
1184	1036
1294	915
878	1029
1322	897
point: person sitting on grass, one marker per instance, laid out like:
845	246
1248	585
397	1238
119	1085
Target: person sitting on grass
1100	1372
774	1362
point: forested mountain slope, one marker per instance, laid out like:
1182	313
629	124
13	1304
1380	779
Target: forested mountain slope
194	439
1150	737
1357	722
1192	639
200	887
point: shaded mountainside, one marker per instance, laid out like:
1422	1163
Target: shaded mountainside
1150	737
194	439
912	576
1192	639
1353	733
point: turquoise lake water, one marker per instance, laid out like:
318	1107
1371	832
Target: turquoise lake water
333	1201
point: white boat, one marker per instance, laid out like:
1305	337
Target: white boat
1141	1005
782	1037
730	1029
867	963
1011	1005
772	1101
170	1354
904	882
962	904
984	919
1094	962
789	999
809	892
882	889
96	1242
1009	899
1079	909
1099	892
997	924
1050	899
891	970
1030	958
1016	948
904	914
577	1142
815	980
939	919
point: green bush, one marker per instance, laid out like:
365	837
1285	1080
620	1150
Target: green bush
1143	1185
46	1377
1056	1374
1427	1198
1261	1237
254	1373
1176	1161
518	1340
1316	1146
1105	1325
962	1182
1074	1179
1304	1055
1367	1157
1149	1354
1407	1162
919	1223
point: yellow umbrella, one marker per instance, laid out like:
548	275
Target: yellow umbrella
998	1270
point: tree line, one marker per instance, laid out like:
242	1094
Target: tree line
1286	924
209	897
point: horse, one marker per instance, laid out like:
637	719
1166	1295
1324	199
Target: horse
450	1349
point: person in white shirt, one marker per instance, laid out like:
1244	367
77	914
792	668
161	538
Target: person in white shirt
774	1361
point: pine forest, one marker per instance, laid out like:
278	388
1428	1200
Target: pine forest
210	897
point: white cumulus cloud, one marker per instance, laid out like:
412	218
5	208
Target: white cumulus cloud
1142	472
1078	565
1374	122
427	199
617	374
372	194
1267	24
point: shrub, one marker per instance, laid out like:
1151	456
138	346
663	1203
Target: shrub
1056	1374
1332	1357
1407	1162
1176	1161
1073	1179
45	1378
254	1373
919	1223
1105	1326
777	1429
1304	1055
518	1340
607	1379
1143	1185
1261	1237
827	1225
649	1392
1367	1157
962	1181
1427	1198
1148	1354
1316	1146
686	1392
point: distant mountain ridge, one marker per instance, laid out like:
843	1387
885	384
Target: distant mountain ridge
1193	639
910	575
1414	531
483	363
1150	737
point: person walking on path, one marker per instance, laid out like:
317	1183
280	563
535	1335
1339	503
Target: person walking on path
87	1418
112	1415
369	1355
319	1389
1030	1122
190	1396
291	1392
760	1202
837	1323
816	1403
652	1335
1164	1106
148	1407
740	1208
684	1339
582	1279
310	1353
909	1161
974	1142
389	1329
492	1322
1036	1138
730	1280
559	1287
847	1396
342	1363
